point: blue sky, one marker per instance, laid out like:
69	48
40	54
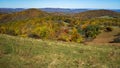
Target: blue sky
100	4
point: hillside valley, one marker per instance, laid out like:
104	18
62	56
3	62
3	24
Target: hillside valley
77	27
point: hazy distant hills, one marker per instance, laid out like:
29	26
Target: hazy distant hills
72	10
62	10
10	10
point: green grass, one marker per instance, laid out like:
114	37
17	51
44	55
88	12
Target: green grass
17	52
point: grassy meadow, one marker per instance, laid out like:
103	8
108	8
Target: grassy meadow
18	52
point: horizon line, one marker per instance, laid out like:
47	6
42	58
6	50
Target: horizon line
57	8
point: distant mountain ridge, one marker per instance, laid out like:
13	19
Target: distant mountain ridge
97	13
10	10
62	10
22	15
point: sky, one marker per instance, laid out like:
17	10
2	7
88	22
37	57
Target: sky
97	4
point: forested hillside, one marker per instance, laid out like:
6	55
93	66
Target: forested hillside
97	13
39	24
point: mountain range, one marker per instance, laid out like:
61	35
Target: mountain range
61	10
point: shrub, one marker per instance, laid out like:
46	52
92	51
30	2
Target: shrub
40	31
2	29
10	32
34	36
108	29
116	40
75	36
91	31
64	37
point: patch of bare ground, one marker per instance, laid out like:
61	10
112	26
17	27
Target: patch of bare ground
108	38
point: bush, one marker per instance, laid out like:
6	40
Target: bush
75	36
41	32
64	37
34	36
10	32
91	31
2	30
116	40
108	29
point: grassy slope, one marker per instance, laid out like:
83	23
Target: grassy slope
16	52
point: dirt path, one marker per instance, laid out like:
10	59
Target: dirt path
106	37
